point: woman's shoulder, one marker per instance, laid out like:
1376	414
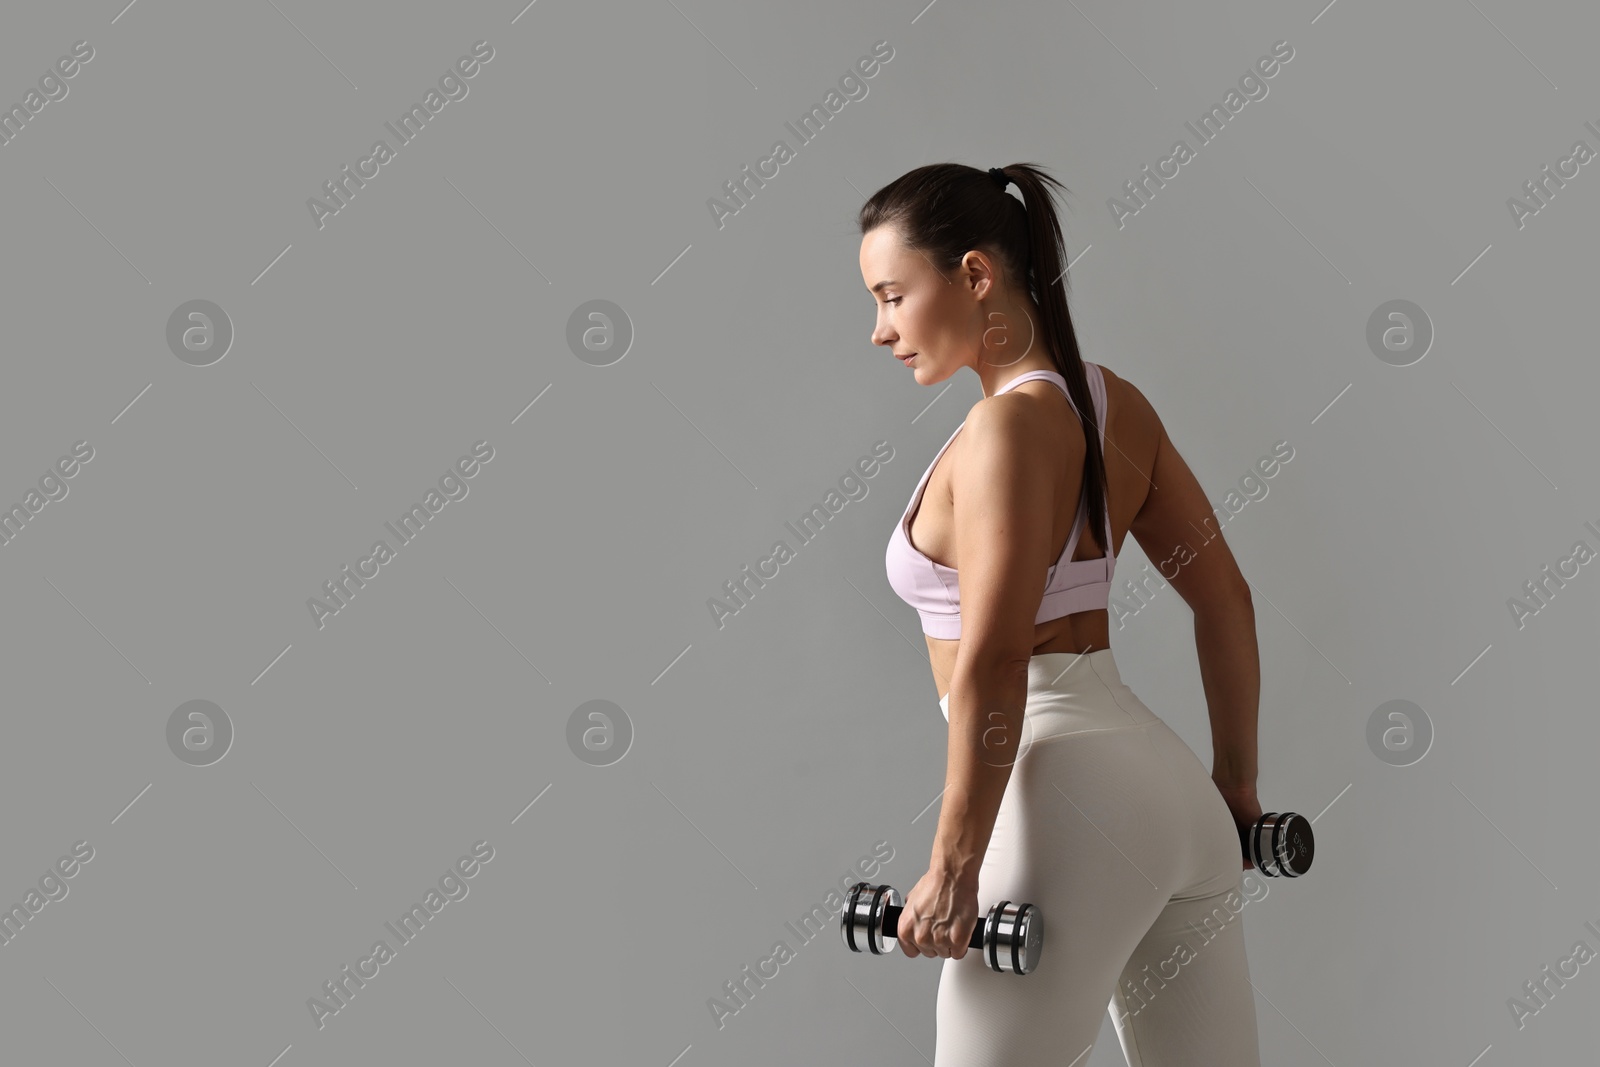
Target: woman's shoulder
1130	410
1115	385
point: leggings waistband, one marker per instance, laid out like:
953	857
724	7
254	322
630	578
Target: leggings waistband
1070	692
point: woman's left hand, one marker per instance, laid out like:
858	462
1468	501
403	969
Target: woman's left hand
938	917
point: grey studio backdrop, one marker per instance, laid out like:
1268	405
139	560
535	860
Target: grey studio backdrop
611	385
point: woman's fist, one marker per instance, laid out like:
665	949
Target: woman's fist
938	917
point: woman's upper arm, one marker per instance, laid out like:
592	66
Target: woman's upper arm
1176	527
1004	494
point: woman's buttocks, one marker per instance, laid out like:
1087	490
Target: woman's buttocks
1129	778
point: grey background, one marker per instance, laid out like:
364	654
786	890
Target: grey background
767	755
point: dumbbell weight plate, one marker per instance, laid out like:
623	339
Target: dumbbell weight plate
862	923
1279	845
1013	937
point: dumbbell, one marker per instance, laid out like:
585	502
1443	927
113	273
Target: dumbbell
1279	845
1011	936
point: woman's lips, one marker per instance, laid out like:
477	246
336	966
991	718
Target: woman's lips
906	358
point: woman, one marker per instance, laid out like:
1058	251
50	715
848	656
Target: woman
1062	788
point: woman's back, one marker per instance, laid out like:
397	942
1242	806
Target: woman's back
1151	493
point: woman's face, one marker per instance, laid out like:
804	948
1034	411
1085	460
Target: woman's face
935	321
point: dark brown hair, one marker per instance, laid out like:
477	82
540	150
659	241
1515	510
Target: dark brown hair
945	210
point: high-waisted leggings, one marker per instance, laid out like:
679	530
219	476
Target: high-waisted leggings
1112	827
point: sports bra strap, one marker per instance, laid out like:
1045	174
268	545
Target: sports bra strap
1035	375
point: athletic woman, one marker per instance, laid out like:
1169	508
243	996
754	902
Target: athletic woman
1062	788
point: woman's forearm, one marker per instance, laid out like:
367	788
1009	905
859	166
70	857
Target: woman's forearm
986	715
1230	671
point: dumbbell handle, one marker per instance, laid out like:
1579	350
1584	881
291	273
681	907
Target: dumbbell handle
891	925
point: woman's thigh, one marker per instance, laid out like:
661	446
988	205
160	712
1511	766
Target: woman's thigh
1090	830
1184	998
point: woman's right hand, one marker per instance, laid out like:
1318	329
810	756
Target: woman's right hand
1245	808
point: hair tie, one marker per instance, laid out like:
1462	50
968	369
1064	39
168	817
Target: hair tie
999	177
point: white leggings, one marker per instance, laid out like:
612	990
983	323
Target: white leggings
1113	828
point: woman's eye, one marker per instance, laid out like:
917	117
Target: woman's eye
894	300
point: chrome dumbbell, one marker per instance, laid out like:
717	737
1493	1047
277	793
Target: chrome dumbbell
1010	937
1279	844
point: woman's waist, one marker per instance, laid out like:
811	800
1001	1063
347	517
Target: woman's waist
1071	692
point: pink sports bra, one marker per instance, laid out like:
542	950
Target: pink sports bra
1070	585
